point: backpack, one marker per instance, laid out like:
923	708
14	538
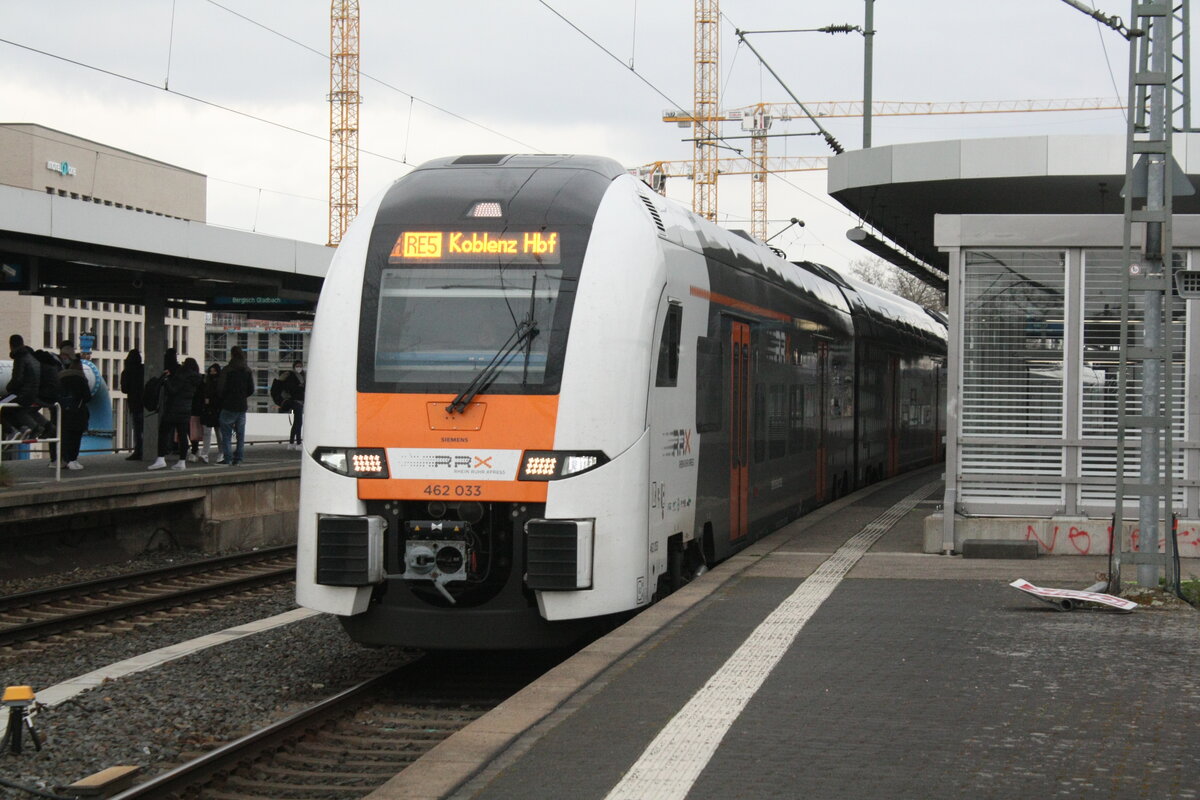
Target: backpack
48	368
281	396
75	392
151	392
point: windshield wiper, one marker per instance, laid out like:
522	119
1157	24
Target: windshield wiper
525	331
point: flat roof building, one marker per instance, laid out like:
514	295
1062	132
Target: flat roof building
1029	231
43	159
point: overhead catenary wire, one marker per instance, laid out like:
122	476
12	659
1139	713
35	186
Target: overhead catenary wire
379	81
832	142
193	98
1108	63
614	57
170	46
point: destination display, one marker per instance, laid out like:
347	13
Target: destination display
541	247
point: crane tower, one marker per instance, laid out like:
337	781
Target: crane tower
706	114
343	117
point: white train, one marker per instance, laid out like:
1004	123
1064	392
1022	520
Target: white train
540	394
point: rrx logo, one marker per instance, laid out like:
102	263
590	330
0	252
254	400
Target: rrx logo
462	462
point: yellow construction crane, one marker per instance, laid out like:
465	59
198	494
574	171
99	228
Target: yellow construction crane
656	172
705	112
756	120
343	117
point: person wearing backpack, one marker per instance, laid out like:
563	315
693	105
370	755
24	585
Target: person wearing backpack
132	380
288	393
49	368
180	384
23	388
234	386
74	394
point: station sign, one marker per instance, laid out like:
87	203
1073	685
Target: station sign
230	303
528	247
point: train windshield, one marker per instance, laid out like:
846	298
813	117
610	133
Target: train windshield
444	324
464	259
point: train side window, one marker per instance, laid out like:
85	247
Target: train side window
710	385
668	348
777	423
796	419
760	423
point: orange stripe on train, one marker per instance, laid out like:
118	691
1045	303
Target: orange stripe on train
492	422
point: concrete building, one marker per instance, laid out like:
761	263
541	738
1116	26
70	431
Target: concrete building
1030	233
42	159
271	346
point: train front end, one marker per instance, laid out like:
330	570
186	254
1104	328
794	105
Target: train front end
437	507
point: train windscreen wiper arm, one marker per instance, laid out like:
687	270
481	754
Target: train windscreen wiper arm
525	331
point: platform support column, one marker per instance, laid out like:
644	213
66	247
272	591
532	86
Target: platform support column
155	323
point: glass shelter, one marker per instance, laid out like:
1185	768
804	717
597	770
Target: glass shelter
1035	306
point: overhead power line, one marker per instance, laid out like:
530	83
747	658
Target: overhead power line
193	98
380	81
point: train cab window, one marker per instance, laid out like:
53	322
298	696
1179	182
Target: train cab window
442	324
668	347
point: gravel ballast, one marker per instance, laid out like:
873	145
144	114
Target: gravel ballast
43	664
163	716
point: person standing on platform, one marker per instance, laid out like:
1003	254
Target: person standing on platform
50	366
180	384
73	395
66	353
133	377
288	393
234	386
206	414
22	389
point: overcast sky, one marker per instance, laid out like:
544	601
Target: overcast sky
486	76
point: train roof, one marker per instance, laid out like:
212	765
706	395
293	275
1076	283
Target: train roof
881	306
599	164
888	307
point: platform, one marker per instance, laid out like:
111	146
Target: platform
114	508
916	676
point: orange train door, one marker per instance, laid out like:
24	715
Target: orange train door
739	431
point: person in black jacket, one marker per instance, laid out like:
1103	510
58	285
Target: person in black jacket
74	394
288	393
133	377
179	387
26	377
206	412
233	387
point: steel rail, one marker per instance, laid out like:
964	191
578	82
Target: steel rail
68	620
20	600
232	755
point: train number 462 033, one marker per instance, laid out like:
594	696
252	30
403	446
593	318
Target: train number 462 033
460	490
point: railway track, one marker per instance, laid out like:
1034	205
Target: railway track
35	615
350	744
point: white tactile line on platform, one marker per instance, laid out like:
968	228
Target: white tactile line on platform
669	767
67	689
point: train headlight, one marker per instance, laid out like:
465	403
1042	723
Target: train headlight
548	465
354	462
